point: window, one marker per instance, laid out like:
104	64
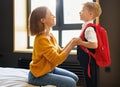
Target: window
20	25
68	23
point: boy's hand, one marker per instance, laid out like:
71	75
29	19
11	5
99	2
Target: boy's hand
79	41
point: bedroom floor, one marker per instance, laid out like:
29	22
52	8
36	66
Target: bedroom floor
80	86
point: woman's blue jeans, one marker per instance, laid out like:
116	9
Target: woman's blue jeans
58	77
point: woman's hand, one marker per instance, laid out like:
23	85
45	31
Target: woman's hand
76	41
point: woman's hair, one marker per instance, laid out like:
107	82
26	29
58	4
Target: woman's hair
93	7
35	25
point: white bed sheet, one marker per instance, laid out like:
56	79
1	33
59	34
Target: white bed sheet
15	77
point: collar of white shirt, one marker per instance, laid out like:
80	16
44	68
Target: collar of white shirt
84	24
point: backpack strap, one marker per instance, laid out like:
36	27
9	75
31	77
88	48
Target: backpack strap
85	48
82	37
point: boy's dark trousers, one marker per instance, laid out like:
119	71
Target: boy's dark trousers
83	59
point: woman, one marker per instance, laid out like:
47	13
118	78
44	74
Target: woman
47	54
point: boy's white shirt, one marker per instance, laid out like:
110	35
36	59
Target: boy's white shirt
90	33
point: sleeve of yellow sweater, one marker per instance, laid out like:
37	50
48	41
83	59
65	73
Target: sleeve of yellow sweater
52	52
59	48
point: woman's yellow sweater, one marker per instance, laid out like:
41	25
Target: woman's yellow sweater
46	55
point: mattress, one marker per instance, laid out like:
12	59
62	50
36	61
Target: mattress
15	77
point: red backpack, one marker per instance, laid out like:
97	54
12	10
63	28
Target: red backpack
102	53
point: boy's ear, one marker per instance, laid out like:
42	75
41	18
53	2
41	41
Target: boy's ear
42	20
91	14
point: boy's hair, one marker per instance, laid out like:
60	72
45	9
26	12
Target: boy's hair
93	7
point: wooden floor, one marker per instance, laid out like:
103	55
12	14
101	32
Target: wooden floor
80	86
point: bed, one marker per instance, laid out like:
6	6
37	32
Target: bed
15	77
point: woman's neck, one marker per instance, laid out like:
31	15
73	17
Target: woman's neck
47	32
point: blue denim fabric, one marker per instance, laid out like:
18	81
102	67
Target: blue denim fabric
58	77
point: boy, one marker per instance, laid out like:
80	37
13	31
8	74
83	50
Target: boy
90	11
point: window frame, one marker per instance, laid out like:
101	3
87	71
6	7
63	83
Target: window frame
59	26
